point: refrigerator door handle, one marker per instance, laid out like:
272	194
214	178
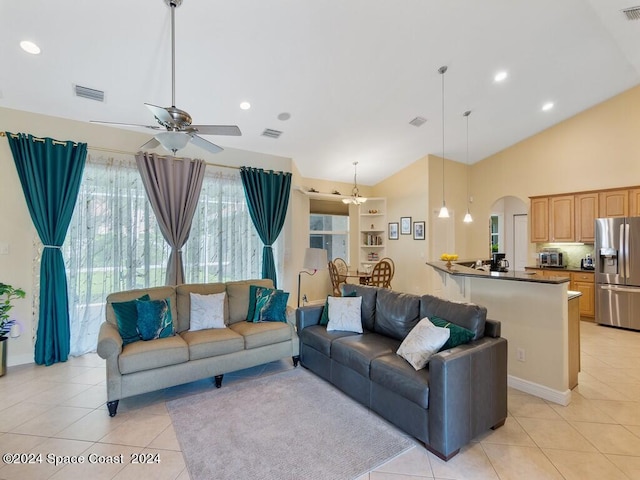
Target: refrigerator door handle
621	251
627	263
614	288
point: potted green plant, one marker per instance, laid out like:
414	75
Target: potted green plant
7	295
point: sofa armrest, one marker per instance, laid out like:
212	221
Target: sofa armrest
309	315
492	328
467	392
109	341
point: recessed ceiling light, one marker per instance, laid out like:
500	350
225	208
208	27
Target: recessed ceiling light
500	76
30	47
245	105
547	106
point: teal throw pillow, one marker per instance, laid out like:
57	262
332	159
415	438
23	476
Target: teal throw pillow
271	305
458	335
324	319
253	294
127	319
154	319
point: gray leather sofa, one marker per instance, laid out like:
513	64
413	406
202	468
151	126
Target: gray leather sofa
461	393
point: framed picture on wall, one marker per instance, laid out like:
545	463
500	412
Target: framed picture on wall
418	230
405	225
393	231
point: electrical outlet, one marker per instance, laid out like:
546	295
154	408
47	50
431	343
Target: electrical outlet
520	354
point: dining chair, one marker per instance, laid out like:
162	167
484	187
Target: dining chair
393	268
335	279
343	269
381	275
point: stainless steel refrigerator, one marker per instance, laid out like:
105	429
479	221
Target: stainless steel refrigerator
617	273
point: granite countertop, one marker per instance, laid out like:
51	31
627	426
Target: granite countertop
571	294
563	269
460	270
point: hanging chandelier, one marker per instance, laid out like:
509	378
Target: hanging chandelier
467	218
444	212
356	198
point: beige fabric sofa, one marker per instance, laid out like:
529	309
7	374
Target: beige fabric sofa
145	366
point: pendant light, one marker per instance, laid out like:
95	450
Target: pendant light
467	218
444	213
355	198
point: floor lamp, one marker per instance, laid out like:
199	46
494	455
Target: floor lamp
314	259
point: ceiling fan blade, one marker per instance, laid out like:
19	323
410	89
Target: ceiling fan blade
232	130
160	113
153	127
206	144
153	143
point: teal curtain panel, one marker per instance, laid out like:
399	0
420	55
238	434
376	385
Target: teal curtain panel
267	195
50	172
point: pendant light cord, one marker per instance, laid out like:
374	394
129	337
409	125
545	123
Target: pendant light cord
443	69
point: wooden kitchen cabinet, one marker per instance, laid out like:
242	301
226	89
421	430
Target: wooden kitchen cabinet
540	219
634	202
561	219
586	211
614	203
583	282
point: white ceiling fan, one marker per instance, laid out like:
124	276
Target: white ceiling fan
177	122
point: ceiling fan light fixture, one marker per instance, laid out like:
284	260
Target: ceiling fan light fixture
173	141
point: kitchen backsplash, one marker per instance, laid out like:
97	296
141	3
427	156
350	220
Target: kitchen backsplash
575	253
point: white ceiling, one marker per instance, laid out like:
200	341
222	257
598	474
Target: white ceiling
352	73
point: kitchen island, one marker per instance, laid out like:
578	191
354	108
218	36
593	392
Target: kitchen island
534	312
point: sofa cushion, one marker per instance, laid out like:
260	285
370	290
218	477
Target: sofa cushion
212	342
238	297
263	333
324	319
184	301
395	374
357	351
207	311
127	319
140	356
396	313
316	336
270	305
467	315
422	342
344	314
368	308
155	293
154	319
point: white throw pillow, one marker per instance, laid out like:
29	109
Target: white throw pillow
207	311
344	314
423	340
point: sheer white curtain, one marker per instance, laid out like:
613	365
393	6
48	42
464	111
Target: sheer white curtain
114	242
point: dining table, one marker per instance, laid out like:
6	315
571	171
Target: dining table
363	277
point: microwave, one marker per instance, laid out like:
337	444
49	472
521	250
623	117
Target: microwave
552	258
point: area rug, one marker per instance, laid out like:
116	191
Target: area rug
289	425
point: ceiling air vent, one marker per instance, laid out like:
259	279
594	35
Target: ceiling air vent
268	132
416	122
90	93
632	13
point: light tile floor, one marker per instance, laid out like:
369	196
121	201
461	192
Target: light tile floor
59	411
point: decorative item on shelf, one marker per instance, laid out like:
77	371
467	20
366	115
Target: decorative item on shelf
356	198
7	295
314	259
467	218
313	190
448	257
444	212
372	226
373	211
336	192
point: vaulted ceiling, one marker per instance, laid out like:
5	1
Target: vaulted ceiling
350	74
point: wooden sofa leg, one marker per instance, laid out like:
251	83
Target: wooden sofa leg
446	458
218	379
499	424
113	407
295	359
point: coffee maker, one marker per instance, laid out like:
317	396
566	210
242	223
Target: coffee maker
499	263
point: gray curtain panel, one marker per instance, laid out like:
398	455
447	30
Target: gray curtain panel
173	186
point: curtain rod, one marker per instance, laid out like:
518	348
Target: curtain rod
112	150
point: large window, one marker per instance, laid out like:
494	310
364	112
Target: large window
330	232
114	242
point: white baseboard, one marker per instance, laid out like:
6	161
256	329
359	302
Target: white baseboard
546	393
14	360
